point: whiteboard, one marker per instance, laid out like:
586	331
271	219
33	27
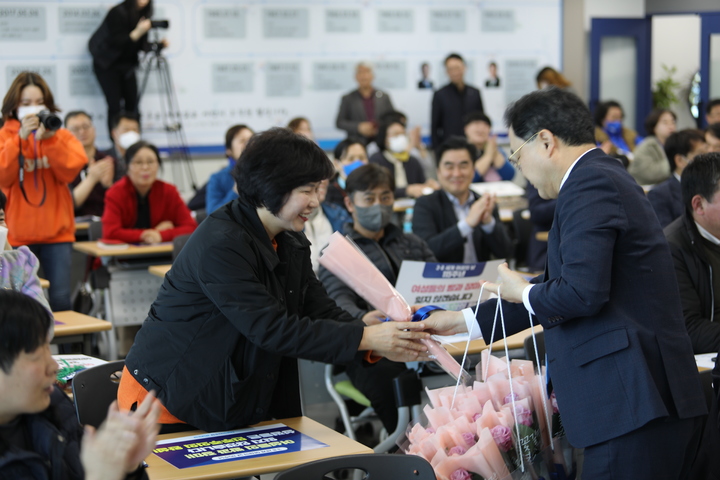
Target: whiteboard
264	62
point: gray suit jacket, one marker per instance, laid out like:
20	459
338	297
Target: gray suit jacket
352	112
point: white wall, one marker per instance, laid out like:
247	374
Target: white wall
676	42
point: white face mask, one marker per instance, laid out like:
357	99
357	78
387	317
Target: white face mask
128	139
25	110
398	143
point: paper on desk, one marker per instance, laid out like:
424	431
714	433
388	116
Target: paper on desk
706	360
71	364
501	189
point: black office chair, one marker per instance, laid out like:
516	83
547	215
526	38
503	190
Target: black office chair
375	466
530	348
94	390
522	229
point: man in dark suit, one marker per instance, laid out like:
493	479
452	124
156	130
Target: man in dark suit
452	102
458	224
680	148
361	109
694	240
619	356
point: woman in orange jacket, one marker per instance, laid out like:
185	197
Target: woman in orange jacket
37	161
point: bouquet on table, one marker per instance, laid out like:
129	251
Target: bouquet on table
502	427
346	261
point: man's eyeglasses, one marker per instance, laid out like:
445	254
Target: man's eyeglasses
512	158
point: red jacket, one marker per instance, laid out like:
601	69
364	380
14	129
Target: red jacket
165	204
59	160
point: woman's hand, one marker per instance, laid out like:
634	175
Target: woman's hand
164	225
28	124
142	27
150	236
373	317
397	341
122	441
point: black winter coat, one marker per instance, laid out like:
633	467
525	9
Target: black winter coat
55	435
220	341
694	276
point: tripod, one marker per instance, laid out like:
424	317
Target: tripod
171	115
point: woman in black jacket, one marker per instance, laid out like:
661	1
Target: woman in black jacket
241	303
115	47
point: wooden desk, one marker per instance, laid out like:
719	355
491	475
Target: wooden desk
477	346
338	445
44	284
77	327
542	236
159	270
82	227
92	248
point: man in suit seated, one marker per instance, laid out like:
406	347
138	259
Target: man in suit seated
619	357
370	200
680	148
694	240
458	224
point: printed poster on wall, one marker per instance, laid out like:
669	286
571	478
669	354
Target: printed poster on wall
220	447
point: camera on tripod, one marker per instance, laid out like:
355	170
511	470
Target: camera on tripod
157	46
160	24
51	121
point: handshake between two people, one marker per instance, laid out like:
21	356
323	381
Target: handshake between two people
403	341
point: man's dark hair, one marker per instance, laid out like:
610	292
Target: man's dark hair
115	121
476	116
3	201
133	149
24	326
455	143
369	177
456	56
714	130
653	118
554	109
712	104
601	111
342	147
681	143
274	163
700	177
386	121
75	113
232	133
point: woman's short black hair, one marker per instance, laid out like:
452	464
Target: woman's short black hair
653	118
133	149
554	109
389	118
232	132
274	163
369	177
342	147
601	111
24	326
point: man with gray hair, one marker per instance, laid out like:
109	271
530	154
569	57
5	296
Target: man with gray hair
361	108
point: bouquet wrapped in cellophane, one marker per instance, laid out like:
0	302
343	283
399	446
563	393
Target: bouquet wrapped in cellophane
504	426
347	262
